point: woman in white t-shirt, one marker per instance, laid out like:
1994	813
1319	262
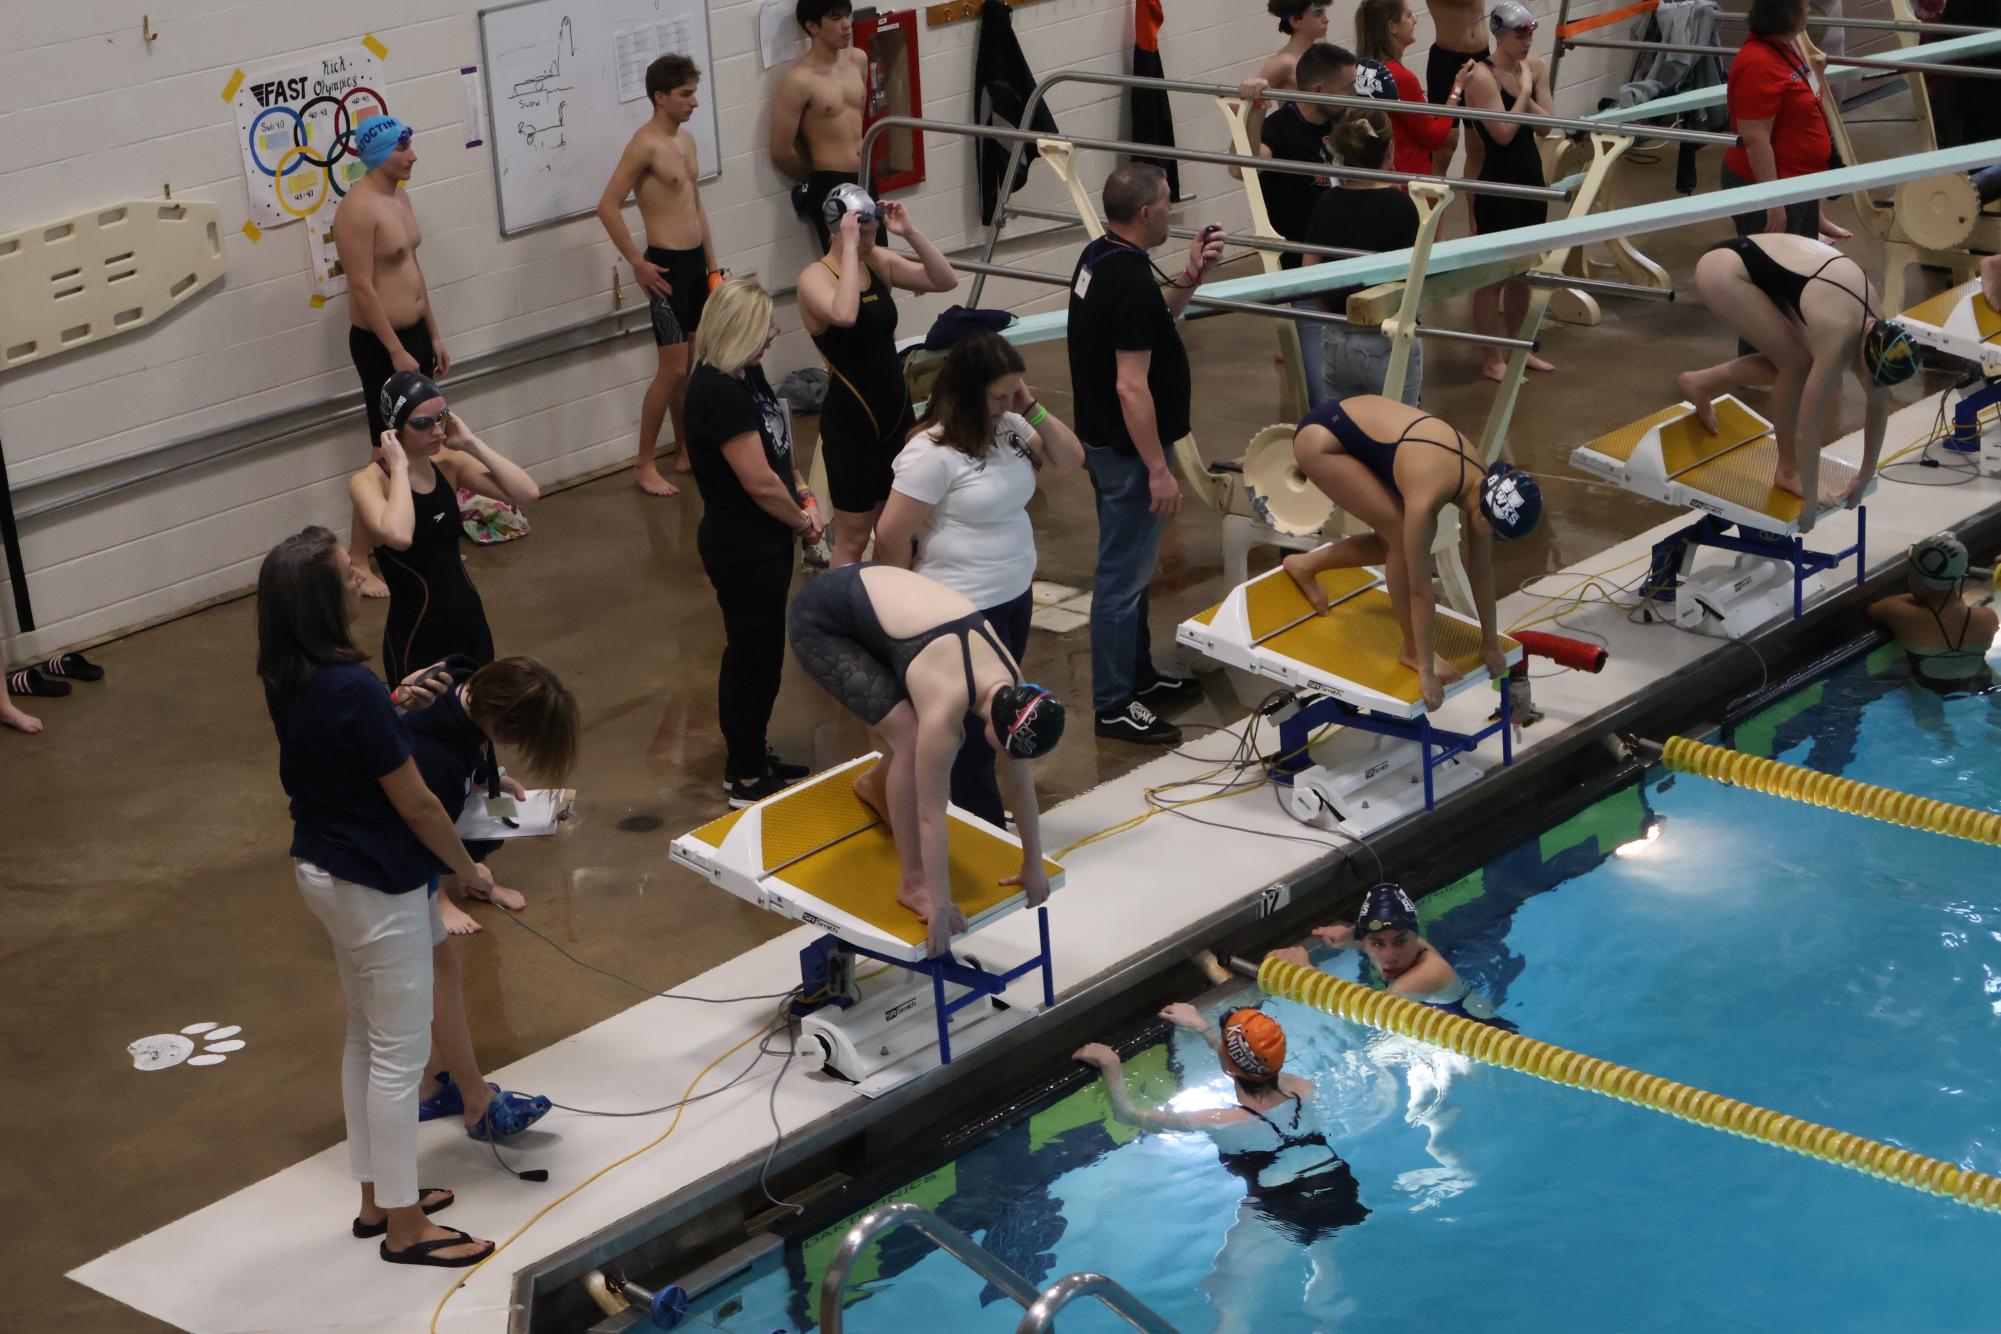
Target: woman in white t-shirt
958	512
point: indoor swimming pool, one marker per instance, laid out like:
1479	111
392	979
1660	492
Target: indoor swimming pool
1842	970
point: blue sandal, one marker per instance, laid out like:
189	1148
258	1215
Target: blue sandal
508	1115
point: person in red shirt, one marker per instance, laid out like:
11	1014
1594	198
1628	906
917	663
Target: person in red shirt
1384	30
1775	106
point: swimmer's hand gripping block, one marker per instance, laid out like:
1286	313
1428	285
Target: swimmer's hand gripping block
817	854
1668	456
1511	1051
1960	324
1266	626
83	279
1777	779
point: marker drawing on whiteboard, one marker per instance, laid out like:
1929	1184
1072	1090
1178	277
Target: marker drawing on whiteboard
549	80
530	133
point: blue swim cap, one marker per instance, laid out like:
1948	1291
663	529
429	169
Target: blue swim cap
1511	500
1385	908
378	137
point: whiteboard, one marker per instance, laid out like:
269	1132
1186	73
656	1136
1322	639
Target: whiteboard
565	85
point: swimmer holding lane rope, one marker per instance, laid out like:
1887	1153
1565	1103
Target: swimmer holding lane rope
913	659
1353	449
1809	313
1387	932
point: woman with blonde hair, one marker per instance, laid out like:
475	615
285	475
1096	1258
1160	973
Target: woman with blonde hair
755	504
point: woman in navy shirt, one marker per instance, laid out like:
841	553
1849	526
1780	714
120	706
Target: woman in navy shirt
369	840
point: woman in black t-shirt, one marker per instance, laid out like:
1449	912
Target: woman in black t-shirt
754	505
1363	215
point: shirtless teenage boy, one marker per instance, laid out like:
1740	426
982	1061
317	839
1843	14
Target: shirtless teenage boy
1303	24
389	308
1458	34
659	168
816	123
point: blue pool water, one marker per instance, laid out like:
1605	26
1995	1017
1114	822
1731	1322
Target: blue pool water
1831	967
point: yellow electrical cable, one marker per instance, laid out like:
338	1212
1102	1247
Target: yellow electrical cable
1558	1065
1831	791
1578	588
538	1215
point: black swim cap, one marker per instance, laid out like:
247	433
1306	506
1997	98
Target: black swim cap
1385	908
401	395
1027	719
1889	354
1511	500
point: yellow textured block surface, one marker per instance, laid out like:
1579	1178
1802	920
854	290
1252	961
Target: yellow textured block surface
1685	445
859	875
1621	443
1359	642
813	815
1274	602
715	831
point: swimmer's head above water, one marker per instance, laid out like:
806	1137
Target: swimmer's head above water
1253	1046
1939	561
1387	928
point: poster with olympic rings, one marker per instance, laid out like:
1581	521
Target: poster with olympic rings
297	128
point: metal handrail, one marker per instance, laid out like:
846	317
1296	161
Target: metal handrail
1067	1289
1880	25
283	423
981	1261
1942	68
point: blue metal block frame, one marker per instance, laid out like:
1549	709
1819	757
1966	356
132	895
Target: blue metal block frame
1436	743
1965	437
980	984
1664	574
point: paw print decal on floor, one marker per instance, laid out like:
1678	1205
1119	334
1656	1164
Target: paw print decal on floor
163	1051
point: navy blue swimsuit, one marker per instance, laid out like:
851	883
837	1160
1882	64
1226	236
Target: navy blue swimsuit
1379	457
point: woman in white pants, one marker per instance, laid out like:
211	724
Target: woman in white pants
369	840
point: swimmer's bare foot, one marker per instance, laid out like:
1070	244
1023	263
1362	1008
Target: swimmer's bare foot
1308	583
14	718
1788	482
873	789
1689	385
648	479
457	921
1831	230
1443	670
1496	371
370	583
1536	363
501	897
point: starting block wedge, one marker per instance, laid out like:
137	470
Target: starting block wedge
1727	476
1961	324
816	853
1346	663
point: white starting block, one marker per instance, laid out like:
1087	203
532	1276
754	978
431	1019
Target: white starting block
816	853
1345	664
1669	457
1961	324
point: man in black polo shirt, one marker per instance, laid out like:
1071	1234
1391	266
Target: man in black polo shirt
1297	132
1129	373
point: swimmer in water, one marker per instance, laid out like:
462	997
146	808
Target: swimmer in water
1387	932
1946	636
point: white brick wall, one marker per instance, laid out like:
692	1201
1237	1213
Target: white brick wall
90	113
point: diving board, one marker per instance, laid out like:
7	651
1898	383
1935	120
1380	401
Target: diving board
816	853
1345	661
1726	475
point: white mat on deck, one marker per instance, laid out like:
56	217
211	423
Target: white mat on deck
276	1255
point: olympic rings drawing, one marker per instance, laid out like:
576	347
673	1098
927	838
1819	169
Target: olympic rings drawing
298	129
287	191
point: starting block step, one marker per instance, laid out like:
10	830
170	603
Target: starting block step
816	853
1669	457
1267	627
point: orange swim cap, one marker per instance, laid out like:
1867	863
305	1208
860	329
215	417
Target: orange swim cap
1254	1043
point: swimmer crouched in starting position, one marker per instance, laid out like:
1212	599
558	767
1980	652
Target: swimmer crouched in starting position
1946	636
913	659
1387	932
1353	450
1808	312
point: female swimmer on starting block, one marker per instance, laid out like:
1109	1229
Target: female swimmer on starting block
1809	311
1387	932
1352	449
913	659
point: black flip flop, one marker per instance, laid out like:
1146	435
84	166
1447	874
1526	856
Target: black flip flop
29	683
381	1229
73	665
426	1252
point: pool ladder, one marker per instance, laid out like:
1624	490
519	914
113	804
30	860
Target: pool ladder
1038	1308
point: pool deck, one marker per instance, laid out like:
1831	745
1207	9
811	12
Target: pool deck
263	1259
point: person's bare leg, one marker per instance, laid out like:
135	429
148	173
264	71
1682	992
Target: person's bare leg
358	548
14	718
1487	320
1703	387
1350	553
852	530
899	731
1515	310
677	408
457	921
451	1031
672	374
1785	425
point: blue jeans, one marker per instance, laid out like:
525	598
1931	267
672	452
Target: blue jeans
1357	361
1128	542
1309	349
975	787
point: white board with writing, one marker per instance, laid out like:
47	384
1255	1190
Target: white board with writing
565	84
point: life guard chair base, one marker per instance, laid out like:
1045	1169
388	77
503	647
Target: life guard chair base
1961	324
816	853
1347	662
